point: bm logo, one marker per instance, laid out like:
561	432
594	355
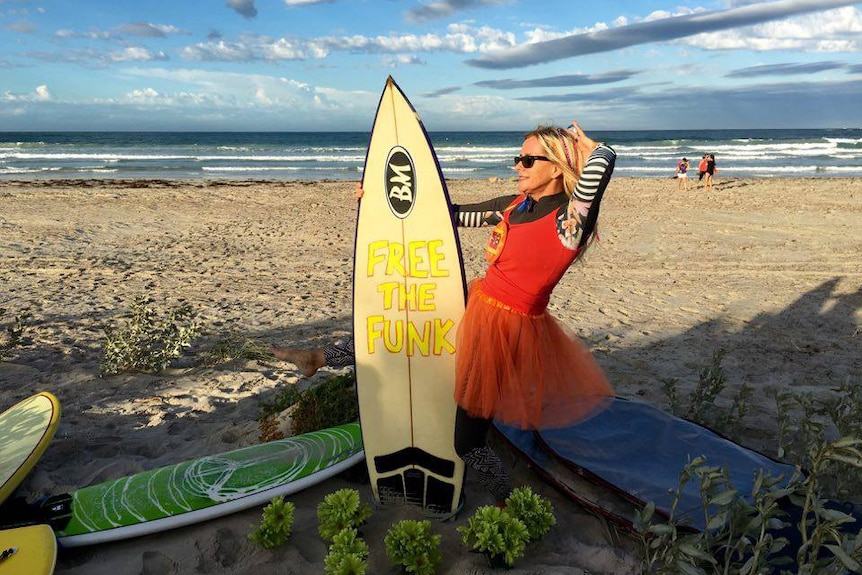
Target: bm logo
400	182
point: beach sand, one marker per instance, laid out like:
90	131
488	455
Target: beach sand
767	270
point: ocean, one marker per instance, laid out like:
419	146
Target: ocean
340	155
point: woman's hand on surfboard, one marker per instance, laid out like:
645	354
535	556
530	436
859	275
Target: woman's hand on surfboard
359	191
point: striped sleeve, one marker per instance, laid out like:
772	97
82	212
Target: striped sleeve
486	213
471	219
600	161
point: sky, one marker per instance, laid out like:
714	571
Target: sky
321	65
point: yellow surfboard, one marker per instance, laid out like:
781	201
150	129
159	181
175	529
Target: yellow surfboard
28	551
25	431
408	297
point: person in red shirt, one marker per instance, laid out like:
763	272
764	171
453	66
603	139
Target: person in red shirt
701	168
515	363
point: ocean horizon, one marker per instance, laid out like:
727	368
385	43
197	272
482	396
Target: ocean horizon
341	155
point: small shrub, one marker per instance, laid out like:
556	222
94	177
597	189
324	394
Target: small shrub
277	524
740	536
234	348
535	511
269	430
348	554
341	510
285	398
325	405
14	334
701	406
495	533
414	546
805	423
148	343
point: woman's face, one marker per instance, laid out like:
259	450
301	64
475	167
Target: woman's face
544	178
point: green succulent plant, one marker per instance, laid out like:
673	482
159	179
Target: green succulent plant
348	554
413	545
340	510
495	532
277	524
535	511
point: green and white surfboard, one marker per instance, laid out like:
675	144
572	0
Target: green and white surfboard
202	489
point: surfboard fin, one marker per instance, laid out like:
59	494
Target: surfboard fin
56	511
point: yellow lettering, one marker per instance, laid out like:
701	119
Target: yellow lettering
436	257
408	297
393	335
426	297
395	261
377	252
441	341
429	337
416	339
415	259
374	331
388	289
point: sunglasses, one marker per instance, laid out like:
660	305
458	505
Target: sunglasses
528	161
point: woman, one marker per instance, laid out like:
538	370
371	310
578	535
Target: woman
682	174
514	362
711	170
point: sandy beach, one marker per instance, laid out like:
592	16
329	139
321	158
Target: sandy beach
768	270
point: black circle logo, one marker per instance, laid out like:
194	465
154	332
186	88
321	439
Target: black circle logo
400	184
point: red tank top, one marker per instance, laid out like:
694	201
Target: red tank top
530	266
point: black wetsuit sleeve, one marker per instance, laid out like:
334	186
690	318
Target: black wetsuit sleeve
487	213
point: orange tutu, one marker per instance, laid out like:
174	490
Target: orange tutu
524	370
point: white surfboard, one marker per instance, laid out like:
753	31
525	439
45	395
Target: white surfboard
408	297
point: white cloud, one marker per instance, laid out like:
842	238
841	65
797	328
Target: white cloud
233	91
138	29
661	27
219	51
459	39
40	94
261	97
283	49
830	31
43	94
542	35
91	35
136	54
401	60
150	97
147	95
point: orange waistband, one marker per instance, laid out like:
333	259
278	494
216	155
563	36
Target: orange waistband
492	301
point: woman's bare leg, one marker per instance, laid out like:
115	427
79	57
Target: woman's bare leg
307	360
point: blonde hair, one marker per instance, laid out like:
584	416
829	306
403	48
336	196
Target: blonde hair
561	146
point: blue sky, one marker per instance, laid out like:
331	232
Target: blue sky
289	65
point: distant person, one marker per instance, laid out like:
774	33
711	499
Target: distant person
711	170
682	174
701	168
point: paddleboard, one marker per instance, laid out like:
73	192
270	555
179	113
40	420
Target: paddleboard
408	296
26	430
28	551
197	490
632	452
